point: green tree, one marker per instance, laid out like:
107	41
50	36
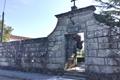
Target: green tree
110	12
7	32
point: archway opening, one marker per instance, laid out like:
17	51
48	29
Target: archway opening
75	52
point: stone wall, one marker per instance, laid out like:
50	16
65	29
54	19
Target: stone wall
102	44
103	55
24	54
97	48
71	22
47	52
103	50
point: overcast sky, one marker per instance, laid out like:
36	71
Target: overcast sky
35	18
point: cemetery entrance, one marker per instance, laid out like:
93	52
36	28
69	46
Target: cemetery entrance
75	55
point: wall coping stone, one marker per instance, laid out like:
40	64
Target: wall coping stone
77	11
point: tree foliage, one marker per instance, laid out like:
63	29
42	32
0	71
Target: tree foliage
6	33
110	12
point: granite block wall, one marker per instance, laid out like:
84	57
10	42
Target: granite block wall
102	46
24	54
103	50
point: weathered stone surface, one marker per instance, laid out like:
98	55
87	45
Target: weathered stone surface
4	63
104	52
102	45
21	53
111	62
92	53
115	38
54	66
103	40
101	69
94	40
94	68
96	61
91	23
114	45
116	69
99	61
98	33
92	46
118	44
90	34
106	69
115	30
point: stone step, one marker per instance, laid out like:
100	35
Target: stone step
76	74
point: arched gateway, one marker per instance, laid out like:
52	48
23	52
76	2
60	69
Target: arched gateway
101	47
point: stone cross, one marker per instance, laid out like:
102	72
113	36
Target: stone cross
73	1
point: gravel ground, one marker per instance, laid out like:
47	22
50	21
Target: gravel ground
42	78
17	75
9	78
